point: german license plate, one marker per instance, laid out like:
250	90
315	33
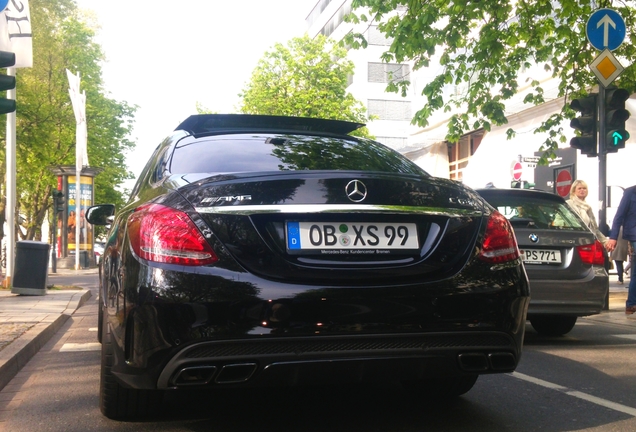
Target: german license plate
541	256
351	237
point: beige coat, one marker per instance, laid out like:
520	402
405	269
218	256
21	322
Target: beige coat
586	213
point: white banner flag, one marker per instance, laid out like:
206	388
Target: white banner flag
15	32
78	101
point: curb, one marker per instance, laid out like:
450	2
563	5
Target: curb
86	294
18	353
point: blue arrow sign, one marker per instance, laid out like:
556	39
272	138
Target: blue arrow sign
605	29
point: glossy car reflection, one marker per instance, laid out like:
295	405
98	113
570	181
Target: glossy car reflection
563	258
260	251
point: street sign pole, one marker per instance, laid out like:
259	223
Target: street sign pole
605	30
602	160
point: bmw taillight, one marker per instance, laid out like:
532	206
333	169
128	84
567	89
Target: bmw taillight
592	253
166	235
500	244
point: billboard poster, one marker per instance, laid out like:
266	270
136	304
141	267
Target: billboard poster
76	210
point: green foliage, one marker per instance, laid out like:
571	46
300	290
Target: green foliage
45	122
306	78
483	47
201	109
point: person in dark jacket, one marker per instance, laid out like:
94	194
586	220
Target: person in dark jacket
626	217
619	255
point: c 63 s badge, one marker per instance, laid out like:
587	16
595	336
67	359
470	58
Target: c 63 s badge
211	201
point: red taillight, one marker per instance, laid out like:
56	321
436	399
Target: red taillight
163	234
592	254
500	244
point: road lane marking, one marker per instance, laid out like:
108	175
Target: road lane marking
93	329
75	347
632	337
577	394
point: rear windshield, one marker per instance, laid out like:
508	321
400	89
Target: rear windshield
270	152
530	212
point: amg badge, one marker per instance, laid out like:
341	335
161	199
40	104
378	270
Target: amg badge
228	198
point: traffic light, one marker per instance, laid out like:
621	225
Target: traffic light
58	201
7	82
585	125
615	117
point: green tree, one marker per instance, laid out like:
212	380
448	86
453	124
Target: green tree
306	78
45	120
483	46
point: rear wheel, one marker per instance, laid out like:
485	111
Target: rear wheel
442	388
553	325
118	402
100	320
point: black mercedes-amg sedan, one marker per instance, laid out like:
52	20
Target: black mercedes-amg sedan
281	251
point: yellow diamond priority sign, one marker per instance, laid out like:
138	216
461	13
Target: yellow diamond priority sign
606	67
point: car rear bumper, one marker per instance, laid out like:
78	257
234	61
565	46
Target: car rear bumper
247	334
579	297
339	359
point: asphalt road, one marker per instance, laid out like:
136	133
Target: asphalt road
583	382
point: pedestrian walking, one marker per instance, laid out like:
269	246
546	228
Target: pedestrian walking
626	217
619	255
578	193
630	257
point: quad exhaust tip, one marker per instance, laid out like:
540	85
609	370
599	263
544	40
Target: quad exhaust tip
205	374
195	375
481	362
235	373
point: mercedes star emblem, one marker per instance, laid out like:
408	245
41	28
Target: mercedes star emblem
356	190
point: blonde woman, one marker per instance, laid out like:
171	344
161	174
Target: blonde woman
578	193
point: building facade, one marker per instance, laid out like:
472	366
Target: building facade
390	113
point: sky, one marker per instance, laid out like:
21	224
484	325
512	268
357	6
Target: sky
165	56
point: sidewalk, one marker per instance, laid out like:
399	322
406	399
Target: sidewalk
27	322
616	312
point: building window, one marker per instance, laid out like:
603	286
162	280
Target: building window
376	37
388	72
316	11
459	153
336	20
389	110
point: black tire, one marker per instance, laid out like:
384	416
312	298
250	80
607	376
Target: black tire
117	402
553	325
100	320
442	388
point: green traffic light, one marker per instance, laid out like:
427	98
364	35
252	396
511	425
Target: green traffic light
615	117
617	138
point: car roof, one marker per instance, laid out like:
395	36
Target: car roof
213	124
514	192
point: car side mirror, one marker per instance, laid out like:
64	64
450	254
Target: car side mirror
101	214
